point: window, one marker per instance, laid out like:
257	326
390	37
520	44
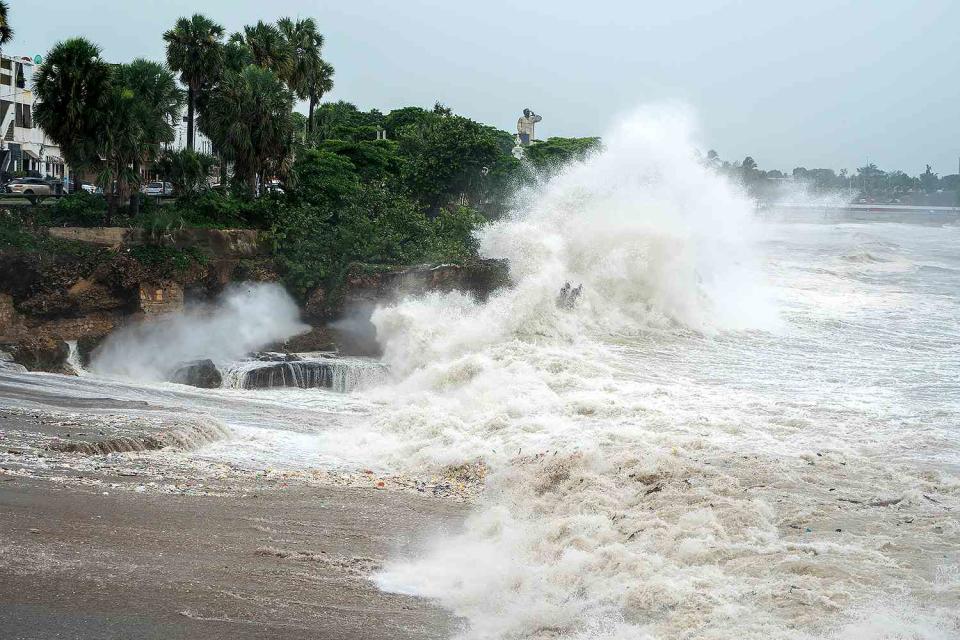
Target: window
24	117
21	82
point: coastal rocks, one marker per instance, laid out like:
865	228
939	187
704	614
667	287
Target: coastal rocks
81	298
300	374
87	344
40	353
182	436
201	373
317	339
366	286
346	310
7	363
304	371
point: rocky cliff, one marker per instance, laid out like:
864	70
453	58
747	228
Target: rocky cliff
105	278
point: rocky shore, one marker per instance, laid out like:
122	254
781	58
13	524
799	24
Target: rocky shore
106	278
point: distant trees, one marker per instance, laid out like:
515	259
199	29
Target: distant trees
555	152
249	118
929	180
142	102
869	180
109	119
186	170
6	31
195	50
71	88
309	77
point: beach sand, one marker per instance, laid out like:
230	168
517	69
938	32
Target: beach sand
144	545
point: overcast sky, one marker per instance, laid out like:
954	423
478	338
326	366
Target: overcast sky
818	83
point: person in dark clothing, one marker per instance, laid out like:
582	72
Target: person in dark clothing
562	298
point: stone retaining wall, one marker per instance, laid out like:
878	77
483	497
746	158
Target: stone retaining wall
218	243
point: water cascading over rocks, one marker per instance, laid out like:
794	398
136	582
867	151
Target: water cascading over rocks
305	373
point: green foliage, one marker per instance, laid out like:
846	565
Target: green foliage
374	160
13	234
72	86
552	153
453	236
186	170
447	157
6	31
269	48
324	179
249	119
195	50
167	262
109	119
336	219
20	235
212	210
79	209
343	121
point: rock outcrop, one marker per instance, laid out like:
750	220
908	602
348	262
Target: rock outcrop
40	353
84	294
200	373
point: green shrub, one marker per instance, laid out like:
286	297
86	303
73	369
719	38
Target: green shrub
168	262
80	209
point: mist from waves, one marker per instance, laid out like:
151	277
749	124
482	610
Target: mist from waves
246	317
647	472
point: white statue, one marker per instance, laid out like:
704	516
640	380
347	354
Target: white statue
525	127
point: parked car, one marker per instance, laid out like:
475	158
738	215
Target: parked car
90	188
157	189
30	187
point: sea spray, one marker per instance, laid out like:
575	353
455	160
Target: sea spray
623	500
656	239
245	318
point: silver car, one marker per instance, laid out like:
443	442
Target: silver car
30	187
157	189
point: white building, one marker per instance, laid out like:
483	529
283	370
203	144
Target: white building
23	145
201	143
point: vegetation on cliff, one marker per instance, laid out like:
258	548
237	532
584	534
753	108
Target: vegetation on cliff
333	189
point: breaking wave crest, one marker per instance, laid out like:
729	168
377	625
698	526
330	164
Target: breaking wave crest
621	501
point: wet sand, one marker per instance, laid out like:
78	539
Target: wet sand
287	563
153	544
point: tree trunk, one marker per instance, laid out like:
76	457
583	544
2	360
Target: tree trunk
111	209
191	99
313	103
223	172
135	193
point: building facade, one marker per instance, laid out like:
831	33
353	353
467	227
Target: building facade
201	143
24	148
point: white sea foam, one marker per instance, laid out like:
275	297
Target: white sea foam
662	462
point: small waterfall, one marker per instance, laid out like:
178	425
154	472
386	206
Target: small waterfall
74	361
336	374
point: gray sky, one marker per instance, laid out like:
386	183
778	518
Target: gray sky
816	83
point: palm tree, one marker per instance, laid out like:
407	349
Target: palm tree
249	119
136	118
310	76
154	101
6	32
195	51
320	83
269	49
72	87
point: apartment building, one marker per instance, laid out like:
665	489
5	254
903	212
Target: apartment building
24	149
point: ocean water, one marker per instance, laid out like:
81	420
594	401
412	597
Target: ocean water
749	427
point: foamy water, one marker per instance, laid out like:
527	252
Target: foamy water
747	429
